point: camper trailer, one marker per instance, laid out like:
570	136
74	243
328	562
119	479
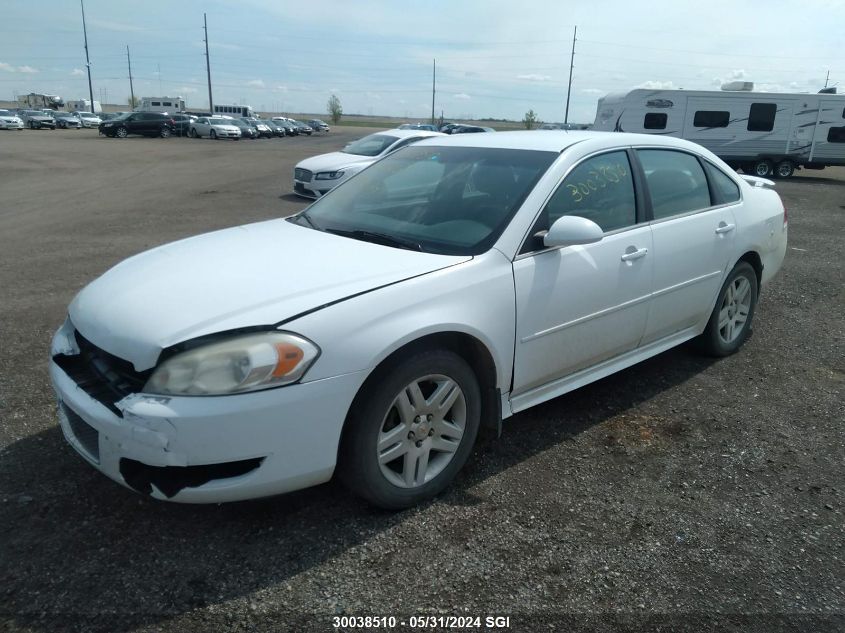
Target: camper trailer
763	133
169	105
38	101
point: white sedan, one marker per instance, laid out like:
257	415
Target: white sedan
316	176
448	286
88	119
214	127
10	121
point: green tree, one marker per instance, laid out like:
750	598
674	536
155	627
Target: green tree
530	120
335	109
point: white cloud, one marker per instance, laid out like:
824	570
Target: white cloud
280	88
657	85
255	83
534	77
114	26
593	91
77	72
186	90
463	96
17	69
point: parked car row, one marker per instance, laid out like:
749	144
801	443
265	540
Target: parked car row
203	125
46	119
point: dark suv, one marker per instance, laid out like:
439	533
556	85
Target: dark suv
143	123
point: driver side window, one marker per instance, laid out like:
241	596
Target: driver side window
600	189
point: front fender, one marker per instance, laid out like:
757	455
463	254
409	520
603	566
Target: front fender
474	298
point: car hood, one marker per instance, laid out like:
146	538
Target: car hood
224	126
253	275
334	161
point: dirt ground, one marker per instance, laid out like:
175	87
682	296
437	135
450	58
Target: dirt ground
681	494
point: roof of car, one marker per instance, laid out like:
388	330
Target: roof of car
552	140
406	133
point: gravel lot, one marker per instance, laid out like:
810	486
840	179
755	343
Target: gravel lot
681	493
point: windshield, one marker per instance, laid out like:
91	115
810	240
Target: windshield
221	121
371	145
88	115
450	200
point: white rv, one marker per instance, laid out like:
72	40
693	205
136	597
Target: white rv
761	133
84	105
170	105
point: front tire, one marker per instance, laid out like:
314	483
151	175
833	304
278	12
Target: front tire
121	132
730	321
411	430
762	168
212	135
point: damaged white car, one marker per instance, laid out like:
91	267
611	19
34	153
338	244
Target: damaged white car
446	287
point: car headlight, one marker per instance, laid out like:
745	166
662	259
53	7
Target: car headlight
242	363
328	175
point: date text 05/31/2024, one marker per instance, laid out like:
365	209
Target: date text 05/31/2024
421	622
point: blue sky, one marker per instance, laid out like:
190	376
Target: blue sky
494	58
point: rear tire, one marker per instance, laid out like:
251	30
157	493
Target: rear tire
784	169
165	132
730	321
212	135
410	430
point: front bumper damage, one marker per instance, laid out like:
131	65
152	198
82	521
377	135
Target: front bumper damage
205	449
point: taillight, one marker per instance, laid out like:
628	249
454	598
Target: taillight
785	214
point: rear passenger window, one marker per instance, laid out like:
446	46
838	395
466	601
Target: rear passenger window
600	189
836	135
761	118
676	182
711	118
655	121
724	187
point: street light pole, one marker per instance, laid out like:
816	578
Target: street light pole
87	59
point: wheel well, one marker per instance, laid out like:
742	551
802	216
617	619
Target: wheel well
756	263
473	351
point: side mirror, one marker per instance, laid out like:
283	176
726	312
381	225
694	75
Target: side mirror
571	230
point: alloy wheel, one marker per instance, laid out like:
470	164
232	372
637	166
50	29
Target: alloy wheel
733	313
421	431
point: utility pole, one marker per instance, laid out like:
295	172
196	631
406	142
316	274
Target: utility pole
433	84
571	66
826	79
87	59
208	64
131	89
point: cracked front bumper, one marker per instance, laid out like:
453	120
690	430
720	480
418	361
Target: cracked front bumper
291	433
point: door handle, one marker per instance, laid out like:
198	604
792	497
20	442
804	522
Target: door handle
725	228
632	255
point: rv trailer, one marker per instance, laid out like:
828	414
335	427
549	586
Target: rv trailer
167	105
764	134
38	101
